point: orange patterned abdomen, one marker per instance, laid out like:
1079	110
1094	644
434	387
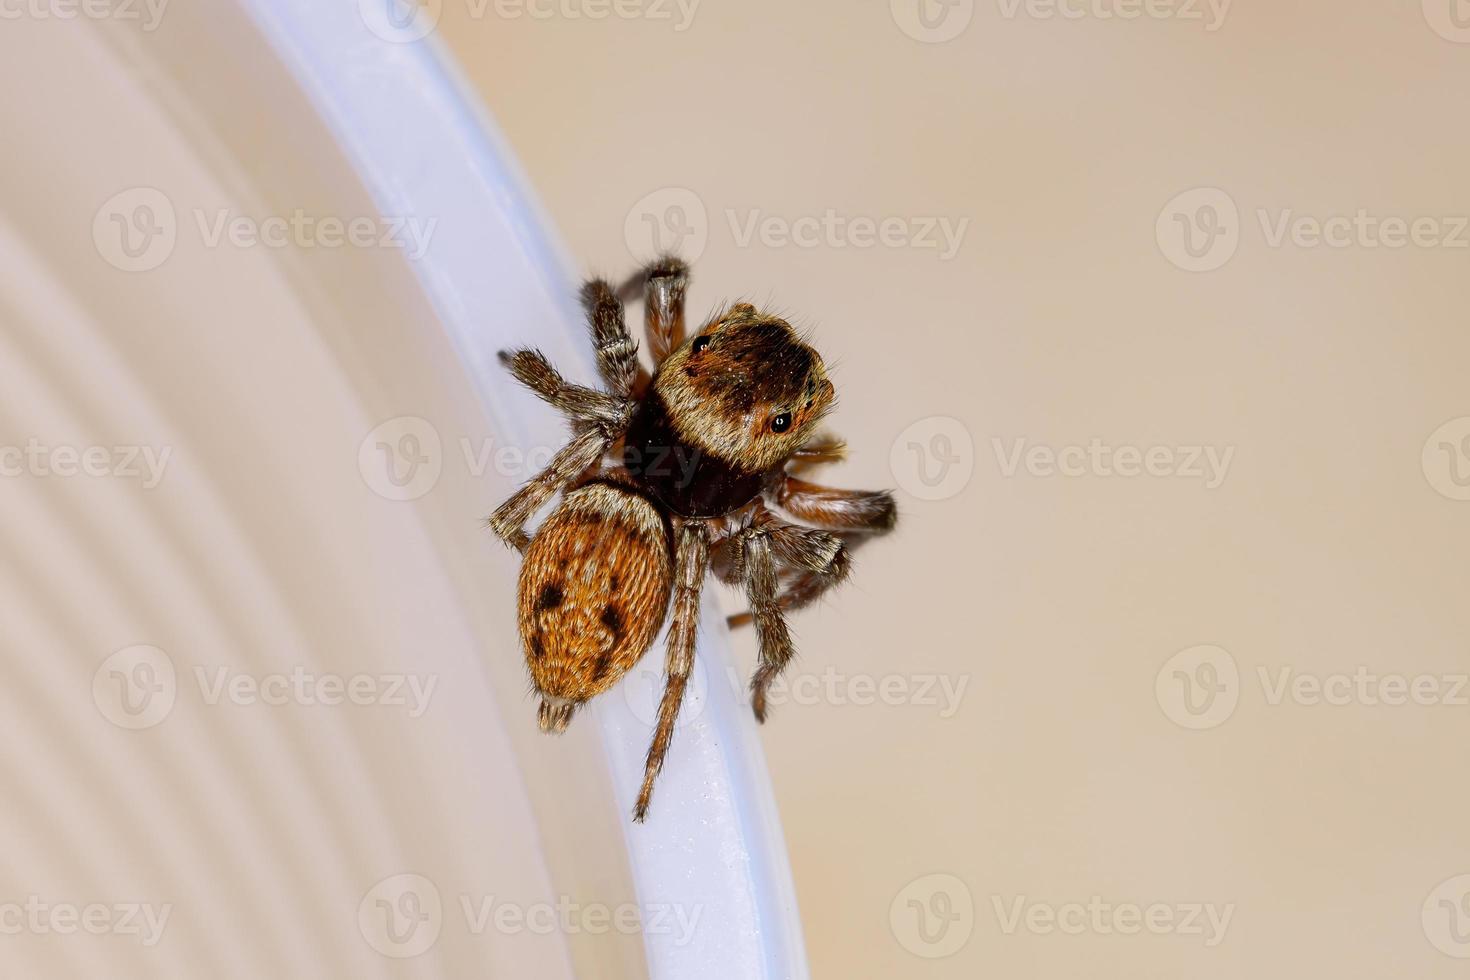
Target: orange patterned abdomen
593	592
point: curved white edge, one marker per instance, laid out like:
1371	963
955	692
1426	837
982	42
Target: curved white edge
710	864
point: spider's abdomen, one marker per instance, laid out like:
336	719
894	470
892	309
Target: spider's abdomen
594	588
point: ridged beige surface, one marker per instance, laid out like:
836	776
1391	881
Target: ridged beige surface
265	549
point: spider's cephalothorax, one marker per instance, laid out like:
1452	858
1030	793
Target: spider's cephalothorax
723	410
706	453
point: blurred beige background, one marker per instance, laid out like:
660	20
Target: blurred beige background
1155	323
1324	545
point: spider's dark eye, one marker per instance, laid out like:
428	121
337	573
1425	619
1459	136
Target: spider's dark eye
781	422
700	343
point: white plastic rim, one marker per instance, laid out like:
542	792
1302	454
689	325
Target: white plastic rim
384	88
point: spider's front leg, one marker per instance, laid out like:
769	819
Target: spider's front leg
617	353
578	403
664	283
691	561
598	418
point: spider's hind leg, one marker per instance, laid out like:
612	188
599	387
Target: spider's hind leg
691	562
849	516
769	545
598	420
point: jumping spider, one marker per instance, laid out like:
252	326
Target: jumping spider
668	477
